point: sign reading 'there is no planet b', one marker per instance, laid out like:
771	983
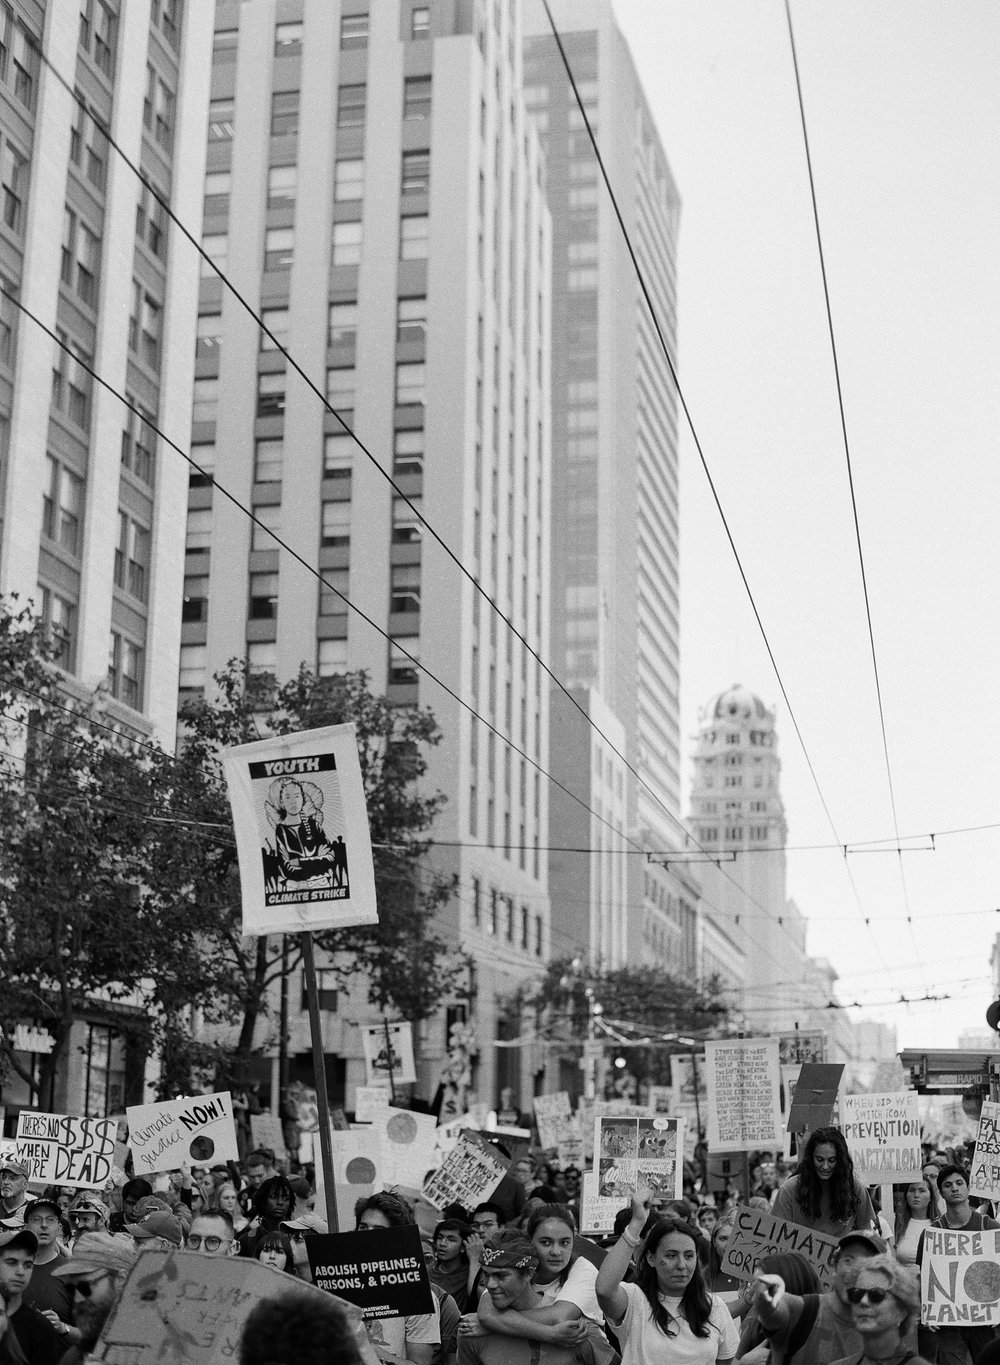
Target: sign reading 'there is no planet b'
198	1129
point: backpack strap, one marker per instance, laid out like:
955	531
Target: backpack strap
805	1324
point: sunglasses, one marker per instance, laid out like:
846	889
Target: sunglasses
209	1243
874	1296
86	1287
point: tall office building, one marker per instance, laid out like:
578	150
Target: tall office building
92	510
374	187
615	614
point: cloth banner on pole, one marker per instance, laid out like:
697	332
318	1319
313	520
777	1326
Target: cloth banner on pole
301	822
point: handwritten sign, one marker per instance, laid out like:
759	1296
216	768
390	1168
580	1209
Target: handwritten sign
62	1150
389	1048
744	1101
553	1116
796	1048
984	1175
468	1175
383	1272
883	1136
597	1215
266	1131
627	1151
960	1278
756	1234
198	1129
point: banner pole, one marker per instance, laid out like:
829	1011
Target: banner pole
388	1057
319	1066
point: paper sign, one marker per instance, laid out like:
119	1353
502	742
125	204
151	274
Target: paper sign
756	1234
814	1096
883	1136
182	1306
298	804
62	1150
960	1278
795	1049
355	1170
384	1046
660	1099
984	1175
744	1109
627	1151
383	1272
596	1214
469	1174
406	1146
198	1129
552	1117
369	1101
266	1131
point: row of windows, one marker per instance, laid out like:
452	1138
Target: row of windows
62	523
404	593
502	919
99	33
352	103
335	525
288	35
126	658
18	58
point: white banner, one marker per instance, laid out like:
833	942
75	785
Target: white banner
883	1136
198	1129
389	1048
301	821
63	1150
744	1103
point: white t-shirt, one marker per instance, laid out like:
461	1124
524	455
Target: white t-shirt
578	1289
643	1343
906	1247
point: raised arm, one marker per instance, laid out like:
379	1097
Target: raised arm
610	1293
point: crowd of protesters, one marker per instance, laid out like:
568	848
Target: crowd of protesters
513	1280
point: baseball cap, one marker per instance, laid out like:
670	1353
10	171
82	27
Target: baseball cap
11	1163
97	1251
37	1204
306	1222
89	1203
150	1203
14	1237
159	1223
877	1244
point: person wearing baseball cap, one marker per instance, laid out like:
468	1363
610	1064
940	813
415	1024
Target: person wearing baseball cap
52	1297
13	1192
159	1229
97	1271
87	1213
297	1230
35	1335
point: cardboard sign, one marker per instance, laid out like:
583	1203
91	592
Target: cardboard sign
883	1136
744	1103
960	1278
468	1175
198	1129
553	1115
62	1150
389	1049
596	1215
796	1049
406	1145
181	1306
369	1102
627	1151
355	1170
814	1096
383	1272
266	1131
756	1234
984	1174
301	820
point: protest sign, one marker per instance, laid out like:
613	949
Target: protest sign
405	1143
629	1152
984	1175
266	1131
301	821
883	1135
198	1129
383	1272
660	1099
355	1168
960	1278
756	1234
468	1175
369	1101
62	1150
688	1075
795	1049
597	1216
552	1117
389	1048
744	1109
183	1306
814	1095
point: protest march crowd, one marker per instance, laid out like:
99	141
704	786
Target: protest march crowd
827	1274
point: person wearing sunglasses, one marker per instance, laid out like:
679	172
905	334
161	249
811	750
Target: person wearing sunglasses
212	1234
97	1271
885	1305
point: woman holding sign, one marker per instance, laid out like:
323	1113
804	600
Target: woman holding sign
825	1194
667	1316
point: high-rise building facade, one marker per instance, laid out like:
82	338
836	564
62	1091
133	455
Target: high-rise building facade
615	610
92	510
374	188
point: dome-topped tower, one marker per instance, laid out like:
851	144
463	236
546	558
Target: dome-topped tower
738	703
735	798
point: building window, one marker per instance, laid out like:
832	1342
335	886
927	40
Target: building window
151	220
144	326
218	185
220	119
139	444
414	230
132	558
343	324
202	473
411	319
262	660
284	113
268	460
224	44
408	452
59	622
105	23
353	30
279	248
333	591
14	179
336	524
193	664
348	179
404	591
199	532
215	245
351	106
8	321
263	597
266	527
97	154
125	665
62	507
340	388
194	605
205	399
208	338
170	21
288	39
338	455
420	21
331	658
406	524
346	243
162	99
403	666
271	394
416	177
411	384
276	322
417	97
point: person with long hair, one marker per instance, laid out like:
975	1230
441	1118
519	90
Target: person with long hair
825	1194
667	1314
274	1249
719	1281
917	1209
226	1200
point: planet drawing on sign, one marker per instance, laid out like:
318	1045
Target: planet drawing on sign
360	1170
202	1148
982	1282
402	1128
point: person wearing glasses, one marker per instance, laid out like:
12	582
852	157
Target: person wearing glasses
97	1271
885	1305
212	1234
52	1297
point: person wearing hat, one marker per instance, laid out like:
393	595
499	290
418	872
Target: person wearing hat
885	1302
87	1213
96	1271
52	1297
814	1329
36	1336
160	1229
297	1230
13	1192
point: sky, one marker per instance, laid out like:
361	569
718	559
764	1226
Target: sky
902	103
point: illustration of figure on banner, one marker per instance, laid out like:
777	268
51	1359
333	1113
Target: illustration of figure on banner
303	855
